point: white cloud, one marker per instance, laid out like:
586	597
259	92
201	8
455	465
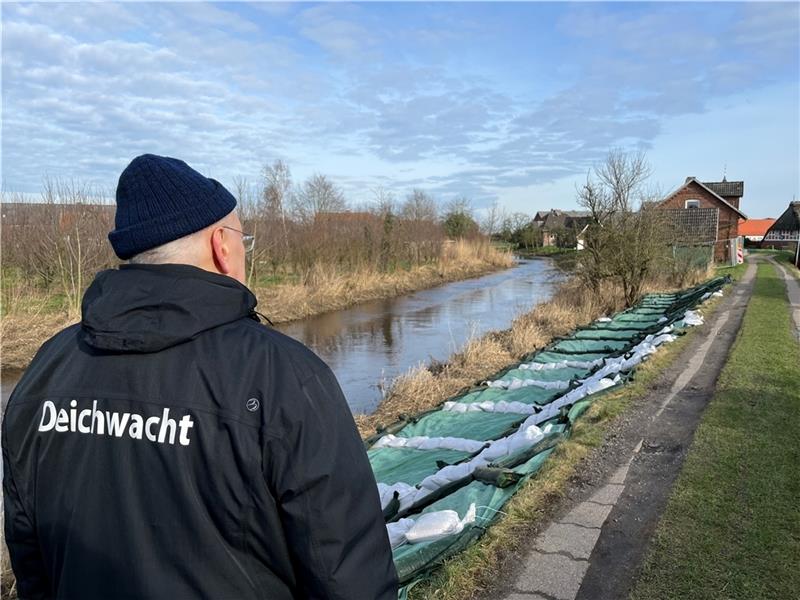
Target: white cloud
348	90
334	28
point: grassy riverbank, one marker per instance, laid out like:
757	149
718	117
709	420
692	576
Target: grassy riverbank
324	290
466	575
31	314
732	526
571	306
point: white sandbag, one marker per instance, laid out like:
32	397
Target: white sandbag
521	439
447	475
662	319
664	338
405	493
437	525
603	320
422	442
515	384
488	406
611	367
717	294
397	531
692	318
590	386
563	364
706	296
594	386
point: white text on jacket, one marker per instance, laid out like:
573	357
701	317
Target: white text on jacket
105	422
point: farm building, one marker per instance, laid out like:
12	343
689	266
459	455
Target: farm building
556	223
784	233
707	213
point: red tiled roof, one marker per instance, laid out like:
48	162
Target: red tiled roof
754	226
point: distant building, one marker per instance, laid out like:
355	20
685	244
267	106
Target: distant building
754	230
555	222
785	231
707	213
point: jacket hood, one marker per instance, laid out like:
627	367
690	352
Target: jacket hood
146	308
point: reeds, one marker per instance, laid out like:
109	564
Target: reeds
324	288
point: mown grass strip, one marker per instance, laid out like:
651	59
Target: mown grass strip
732	526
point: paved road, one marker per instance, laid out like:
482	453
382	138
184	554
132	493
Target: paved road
594	547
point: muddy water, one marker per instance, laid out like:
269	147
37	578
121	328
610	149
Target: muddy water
370	344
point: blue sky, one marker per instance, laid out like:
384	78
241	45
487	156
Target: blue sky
496	102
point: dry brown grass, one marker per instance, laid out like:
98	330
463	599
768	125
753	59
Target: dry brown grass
21	335
323	289
423	388
572	305
31	316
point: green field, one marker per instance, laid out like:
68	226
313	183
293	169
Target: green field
732	526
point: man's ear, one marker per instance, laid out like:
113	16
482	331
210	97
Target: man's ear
220	251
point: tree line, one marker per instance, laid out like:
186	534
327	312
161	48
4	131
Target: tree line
60	242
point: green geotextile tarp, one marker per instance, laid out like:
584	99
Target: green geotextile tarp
471	425
409	465
583	346
659	311
546	374
600	334
598	340
657	302
527	395
636	318
549	356
620	326
413	560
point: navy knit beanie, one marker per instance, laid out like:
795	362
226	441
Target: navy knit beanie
161	199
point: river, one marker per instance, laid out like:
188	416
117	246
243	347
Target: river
370	344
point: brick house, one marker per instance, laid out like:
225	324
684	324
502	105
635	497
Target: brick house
719	199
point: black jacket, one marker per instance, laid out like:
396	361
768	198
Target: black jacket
170	446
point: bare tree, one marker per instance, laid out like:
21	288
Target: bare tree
250	212
493	221
318	195
626	239
65	240
277	194
386	209
419	206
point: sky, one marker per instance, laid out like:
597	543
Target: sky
507	103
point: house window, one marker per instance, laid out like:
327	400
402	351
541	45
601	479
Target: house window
692	204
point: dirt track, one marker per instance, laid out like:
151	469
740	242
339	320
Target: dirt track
594	546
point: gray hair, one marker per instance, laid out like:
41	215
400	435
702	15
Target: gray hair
176	251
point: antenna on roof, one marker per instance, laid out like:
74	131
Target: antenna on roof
725	171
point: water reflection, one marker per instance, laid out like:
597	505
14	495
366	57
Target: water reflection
370	344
